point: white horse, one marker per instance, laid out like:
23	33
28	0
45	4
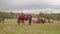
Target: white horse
50	21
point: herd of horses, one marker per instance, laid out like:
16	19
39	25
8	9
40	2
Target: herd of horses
28	17
25	17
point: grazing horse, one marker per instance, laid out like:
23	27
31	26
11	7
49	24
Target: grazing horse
41	20
50	21
2	19
38	20
25	17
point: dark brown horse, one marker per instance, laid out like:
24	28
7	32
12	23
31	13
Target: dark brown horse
25	17
2	20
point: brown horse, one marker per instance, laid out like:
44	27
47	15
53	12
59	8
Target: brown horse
25	17
2	20
41	20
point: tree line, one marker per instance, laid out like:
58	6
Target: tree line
11	15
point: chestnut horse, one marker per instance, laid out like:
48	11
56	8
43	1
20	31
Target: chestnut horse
25	17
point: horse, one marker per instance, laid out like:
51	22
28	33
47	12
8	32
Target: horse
34	20
38	20
50	21
24	17
2	20
41	20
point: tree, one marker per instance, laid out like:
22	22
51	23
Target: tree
41	14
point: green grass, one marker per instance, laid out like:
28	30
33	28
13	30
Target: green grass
10	27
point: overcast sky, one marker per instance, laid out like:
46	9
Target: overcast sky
30	5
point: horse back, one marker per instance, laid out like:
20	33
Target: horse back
24	17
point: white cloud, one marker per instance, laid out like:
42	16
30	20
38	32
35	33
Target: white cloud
53	2
24	2
5	4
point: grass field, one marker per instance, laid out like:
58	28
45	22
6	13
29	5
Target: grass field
10	27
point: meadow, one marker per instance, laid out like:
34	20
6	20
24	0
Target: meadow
10	27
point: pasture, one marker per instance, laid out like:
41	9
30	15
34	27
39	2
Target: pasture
10	27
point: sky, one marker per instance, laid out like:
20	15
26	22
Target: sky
30	6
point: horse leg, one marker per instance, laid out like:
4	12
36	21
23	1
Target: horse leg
30	21
18	21
23	21
0	21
